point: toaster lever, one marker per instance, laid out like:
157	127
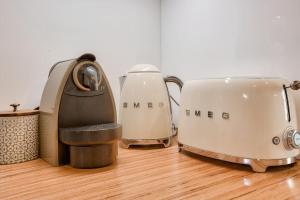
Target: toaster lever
295	85
287	103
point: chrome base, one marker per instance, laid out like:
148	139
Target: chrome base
257	165
126	143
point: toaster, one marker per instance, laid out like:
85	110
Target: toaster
250	121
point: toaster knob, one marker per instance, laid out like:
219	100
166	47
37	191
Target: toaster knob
293	139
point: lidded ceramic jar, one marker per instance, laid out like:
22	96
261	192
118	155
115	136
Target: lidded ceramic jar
19	136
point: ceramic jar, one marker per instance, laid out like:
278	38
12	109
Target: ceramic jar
19	136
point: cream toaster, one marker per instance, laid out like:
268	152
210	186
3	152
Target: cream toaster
250	121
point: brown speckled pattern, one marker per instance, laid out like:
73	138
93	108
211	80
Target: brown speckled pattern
19	141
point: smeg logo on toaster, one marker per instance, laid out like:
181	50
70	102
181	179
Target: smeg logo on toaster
149	105
209	114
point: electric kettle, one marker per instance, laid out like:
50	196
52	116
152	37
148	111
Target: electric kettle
244	120
145	108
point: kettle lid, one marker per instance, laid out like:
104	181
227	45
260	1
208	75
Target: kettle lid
143	68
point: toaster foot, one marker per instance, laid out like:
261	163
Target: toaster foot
123	144
257	165
126	143
180	147
167	142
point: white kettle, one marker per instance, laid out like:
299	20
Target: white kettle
145	109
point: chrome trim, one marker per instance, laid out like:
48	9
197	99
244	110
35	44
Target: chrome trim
79	66
289	139
126	143
257	165
90	75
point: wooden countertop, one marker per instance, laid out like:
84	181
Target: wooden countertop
143	173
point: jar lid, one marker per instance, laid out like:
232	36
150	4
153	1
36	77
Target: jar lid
18	113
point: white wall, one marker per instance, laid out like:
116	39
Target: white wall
197	38
35	34
204	38
217	38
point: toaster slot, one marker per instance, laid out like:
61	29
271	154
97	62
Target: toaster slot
287	103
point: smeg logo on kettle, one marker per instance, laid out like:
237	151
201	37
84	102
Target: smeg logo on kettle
137	105
210	114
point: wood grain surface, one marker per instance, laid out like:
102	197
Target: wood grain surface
149	173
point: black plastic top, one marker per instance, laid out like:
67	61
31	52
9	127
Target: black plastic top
87	56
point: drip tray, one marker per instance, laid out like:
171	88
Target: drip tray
91	146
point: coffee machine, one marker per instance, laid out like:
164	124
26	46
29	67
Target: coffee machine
78	124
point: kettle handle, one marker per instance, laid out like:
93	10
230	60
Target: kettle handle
174	79
179	83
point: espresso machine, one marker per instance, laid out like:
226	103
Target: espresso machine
78	123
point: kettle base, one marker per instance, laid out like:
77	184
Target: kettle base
257	165
126	143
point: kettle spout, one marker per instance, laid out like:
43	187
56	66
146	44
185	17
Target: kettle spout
122	80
